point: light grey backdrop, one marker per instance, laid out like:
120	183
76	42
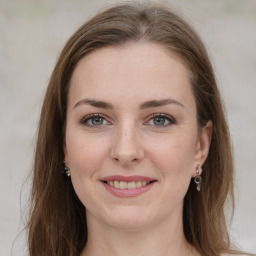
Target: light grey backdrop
32	33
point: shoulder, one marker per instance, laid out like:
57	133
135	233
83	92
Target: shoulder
237	254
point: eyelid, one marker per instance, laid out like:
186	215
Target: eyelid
167	116
86	118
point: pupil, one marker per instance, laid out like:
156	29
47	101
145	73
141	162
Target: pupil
97	121
159	121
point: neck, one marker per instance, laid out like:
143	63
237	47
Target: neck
165	238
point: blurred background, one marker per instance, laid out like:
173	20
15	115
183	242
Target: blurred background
32	34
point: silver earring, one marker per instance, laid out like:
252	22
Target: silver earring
198	178
67	170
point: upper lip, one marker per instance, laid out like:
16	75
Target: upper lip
127	178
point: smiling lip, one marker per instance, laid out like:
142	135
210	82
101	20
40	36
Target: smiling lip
127	178
127	186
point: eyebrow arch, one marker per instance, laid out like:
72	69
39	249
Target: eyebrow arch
94	103
147	104
158	103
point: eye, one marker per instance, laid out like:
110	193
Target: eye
94	120
161	120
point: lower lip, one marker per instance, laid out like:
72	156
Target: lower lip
128	192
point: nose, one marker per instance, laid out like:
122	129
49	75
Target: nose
127	148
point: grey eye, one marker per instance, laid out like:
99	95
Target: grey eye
94	120
97	120
160	121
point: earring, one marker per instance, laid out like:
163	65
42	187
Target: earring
67	170
198	178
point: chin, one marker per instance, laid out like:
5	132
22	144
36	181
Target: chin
128	224
128	218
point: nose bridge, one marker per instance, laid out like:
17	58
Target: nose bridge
126	143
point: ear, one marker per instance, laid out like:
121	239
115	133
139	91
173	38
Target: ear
203	145
65	151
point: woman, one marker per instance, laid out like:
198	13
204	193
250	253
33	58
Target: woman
134	112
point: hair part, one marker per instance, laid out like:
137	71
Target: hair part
57	223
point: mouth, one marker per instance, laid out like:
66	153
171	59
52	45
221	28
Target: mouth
128	185
131	186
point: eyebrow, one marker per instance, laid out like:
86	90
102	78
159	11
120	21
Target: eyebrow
94	103
158	103
145	105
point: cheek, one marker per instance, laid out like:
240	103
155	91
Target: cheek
85	153
85	157
174	156
176	161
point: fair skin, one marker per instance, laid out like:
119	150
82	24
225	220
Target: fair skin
131	112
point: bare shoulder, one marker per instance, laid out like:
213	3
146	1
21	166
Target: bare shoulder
240	254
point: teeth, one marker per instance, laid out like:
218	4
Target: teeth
127	185
123	185
138	184
116	184
131	185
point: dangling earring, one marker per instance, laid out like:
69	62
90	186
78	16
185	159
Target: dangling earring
67	170
198	178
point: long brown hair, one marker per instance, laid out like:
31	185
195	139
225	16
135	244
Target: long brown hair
57	221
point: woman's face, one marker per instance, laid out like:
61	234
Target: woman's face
132	141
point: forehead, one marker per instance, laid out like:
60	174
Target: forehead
134	71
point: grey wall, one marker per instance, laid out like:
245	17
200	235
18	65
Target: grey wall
32	34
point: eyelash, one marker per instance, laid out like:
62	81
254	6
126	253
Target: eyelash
170	119
84	120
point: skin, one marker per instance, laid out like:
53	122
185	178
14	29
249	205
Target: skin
128	140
